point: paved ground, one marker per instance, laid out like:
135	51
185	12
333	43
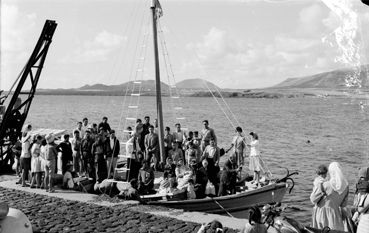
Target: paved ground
55	214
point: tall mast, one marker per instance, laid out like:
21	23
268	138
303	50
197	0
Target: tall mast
159	107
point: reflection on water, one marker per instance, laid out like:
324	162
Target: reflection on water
296	133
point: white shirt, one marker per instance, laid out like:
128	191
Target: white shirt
254	148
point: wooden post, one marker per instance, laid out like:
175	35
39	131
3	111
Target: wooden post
159	107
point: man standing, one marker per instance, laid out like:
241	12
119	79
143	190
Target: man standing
104	124
239	145
85	127
65	148
87	157
168	139
146	126
212	155
207	133
152	146
99	153
228	177
112	152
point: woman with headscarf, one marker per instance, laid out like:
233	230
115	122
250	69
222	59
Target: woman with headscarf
362	201
329	200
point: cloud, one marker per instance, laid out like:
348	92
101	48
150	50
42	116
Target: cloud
16	28
95	50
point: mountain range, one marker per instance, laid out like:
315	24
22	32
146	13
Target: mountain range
333	81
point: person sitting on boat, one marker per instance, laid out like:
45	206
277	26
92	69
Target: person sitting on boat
170	167
168	139
207	134
176	153
212	154
146	178
239	145
201	179
164	184
104	125
228	176
183	174
191	153
152	147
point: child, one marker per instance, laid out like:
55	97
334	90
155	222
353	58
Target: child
321	178
254	225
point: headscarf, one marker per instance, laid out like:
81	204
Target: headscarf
337	180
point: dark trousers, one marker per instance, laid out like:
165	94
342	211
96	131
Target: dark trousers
101	169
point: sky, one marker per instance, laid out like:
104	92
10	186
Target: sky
232	43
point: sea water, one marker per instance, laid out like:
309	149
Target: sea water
294	133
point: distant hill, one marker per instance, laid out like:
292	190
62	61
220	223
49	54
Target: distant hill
196	84
145	87
335	79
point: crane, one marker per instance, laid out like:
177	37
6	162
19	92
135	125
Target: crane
14	114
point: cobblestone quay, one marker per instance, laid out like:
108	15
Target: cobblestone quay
51	214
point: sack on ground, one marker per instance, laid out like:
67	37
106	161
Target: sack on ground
210	189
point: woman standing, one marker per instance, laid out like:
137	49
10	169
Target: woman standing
36	162
329	199
256	164
25	158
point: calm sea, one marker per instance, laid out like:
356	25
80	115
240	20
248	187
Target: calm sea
297	133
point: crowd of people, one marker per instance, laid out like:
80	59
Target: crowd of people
190	160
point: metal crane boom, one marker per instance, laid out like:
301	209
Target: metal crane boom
16	112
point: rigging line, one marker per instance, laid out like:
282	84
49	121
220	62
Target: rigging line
227	105
161	36
179	102
127	89
128	27
198	60
211	92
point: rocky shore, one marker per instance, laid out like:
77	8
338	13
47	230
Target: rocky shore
53	214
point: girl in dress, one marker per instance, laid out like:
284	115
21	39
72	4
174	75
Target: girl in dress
256	164
36	162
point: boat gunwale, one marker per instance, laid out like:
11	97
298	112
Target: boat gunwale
274	186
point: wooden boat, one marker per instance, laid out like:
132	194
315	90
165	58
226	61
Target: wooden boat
232	205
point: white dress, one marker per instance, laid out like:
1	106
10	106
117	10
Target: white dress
256	164
36	159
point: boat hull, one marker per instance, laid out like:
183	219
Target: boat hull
234	205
